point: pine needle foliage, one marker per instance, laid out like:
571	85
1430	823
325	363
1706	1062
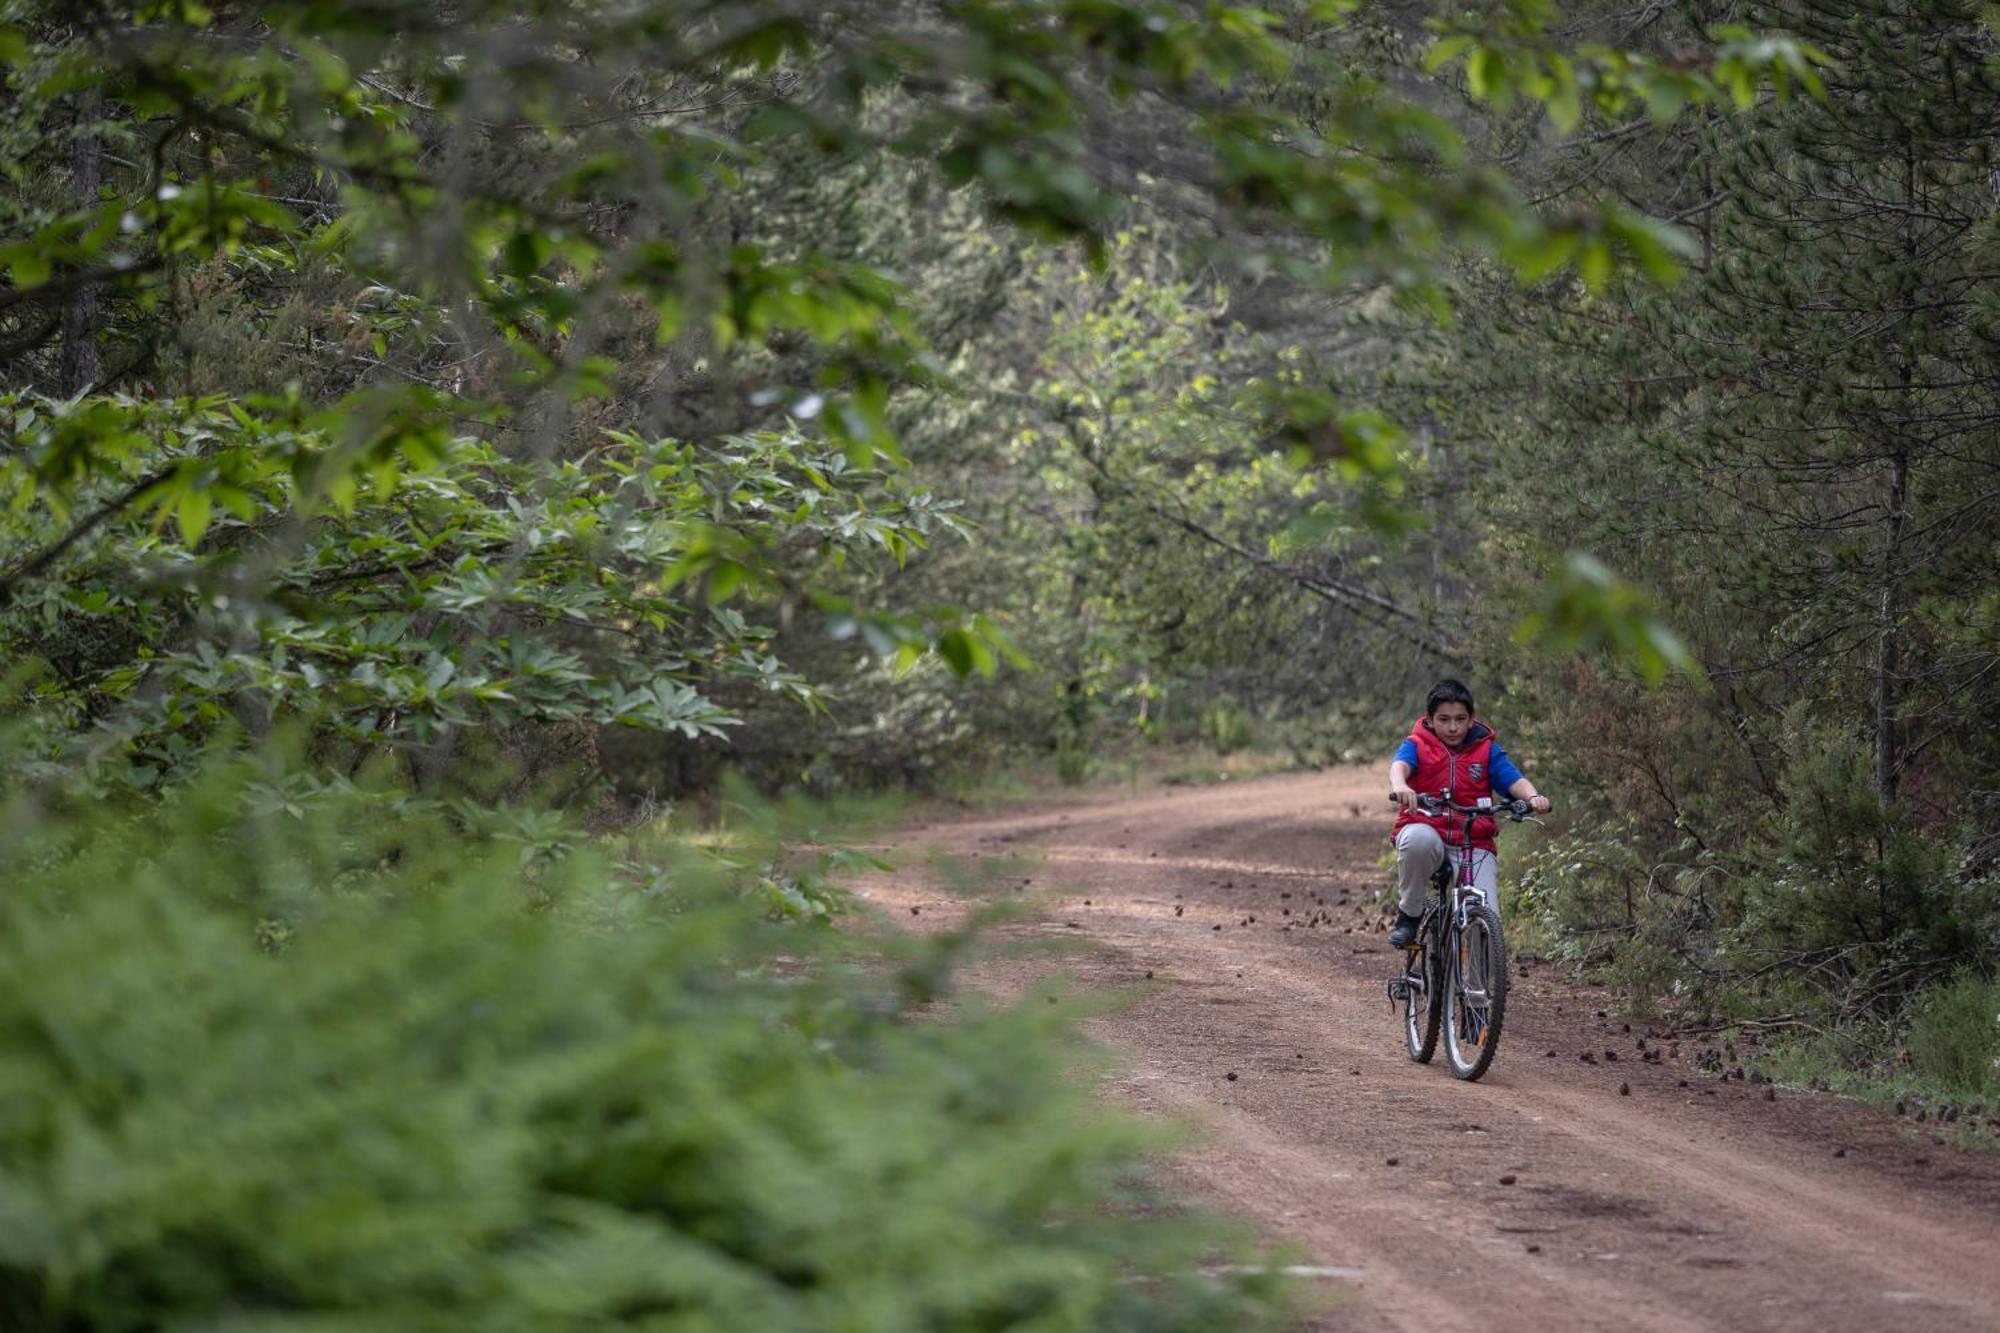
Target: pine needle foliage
1793	449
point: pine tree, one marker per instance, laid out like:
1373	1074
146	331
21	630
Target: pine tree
1842	350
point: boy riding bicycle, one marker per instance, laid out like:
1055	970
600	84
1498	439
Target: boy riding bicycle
1448	750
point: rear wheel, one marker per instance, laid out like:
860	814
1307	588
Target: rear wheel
1475	993
1422	1000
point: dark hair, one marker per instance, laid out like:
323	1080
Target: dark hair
1447	692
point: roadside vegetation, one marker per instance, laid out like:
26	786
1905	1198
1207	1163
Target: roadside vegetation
483	484
348	1065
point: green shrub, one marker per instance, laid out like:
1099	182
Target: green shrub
1955	1036
1826	905
1855	909
331	1065
1225	728
1074	761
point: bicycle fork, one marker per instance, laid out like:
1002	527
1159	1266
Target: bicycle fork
1468	974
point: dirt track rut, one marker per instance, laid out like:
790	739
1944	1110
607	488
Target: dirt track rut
1665	1207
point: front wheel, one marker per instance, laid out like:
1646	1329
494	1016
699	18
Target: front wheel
1475	993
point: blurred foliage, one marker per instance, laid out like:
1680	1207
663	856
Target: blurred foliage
342	1065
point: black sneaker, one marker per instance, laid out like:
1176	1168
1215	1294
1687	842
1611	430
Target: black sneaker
1405	933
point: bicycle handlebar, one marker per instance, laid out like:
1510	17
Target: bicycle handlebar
1514	811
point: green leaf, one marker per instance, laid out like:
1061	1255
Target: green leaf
191	514
724	578
669	316
1665	99
28	266
1594	264
1564	101
1588	609
1479	69
1445	50
1545	254
955	647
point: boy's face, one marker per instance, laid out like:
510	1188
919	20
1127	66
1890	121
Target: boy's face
1451	722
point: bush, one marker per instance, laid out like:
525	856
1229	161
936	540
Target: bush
1074	761
1955	1036
1225	728
336	1066
1825	904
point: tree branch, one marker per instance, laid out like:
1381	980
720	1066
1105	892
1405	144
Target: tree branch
1412	628
37	564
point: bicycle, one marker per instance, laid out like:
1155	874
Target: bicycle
1455	972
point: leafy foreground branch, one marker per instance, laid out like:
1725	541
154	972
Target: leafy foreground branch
487	592
348	1069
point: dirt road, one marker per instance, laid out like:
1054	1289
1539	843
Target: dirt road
1638	1195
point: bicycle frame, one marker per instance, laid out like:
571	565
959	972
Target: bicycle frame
1468	878
1458	859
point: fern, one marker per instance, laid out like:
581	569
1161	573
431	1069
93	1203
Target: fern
348	1069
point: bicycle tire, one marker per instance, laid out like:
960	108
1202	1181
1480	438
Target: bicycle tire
1420	1030
1472	1030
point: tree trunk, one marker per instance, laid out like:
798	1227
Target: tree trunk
78	370
1887	633
1888	605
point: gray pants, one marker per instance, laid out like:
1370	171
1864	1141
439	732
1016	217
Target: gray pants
1420	851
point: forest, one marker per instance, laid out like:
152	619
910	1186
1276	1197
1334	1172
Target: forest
501	501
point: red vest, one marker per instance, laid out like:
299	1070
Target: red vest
1465	772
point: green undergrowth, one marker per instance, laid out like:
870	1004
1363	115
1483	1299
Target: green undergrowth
1528	936
792	855
1129	770
342	1064
1203	769
1939	1067
1825	913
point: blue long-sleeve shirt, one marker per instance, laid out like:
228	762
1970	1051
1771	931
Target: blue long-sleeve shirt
1498	766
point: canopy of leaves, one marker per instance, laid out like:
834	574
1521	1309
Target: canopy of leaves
458	261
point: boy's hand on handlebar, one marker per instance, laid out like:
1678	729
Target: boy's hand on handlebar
1539	804
1403	797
